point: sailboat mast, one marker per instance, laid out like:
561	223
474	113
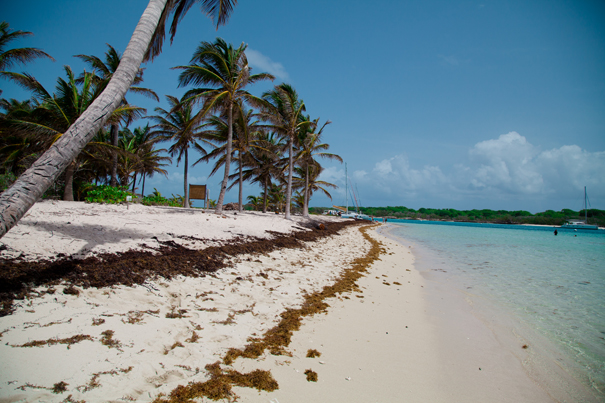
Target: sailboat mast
346	189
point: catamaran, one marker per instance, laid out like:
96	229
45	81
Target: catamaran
578	224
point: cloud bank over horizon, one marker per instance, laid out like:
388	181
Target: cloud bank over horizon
509	172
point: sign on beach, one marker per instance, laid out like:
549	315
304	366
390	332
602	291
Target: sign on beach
198	192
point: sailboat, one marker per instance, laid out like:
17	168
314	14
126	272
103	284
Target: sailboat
578	224
351	214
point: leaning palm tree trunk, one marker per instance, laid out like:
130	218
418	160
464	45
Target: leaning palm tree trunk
30	186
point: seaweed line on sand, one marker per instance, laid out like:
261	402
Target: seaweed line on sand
219	386
18	278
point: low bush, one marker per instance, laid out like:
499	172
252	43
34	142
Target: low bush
107	194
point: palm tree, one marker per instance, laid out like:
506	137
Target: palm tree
264	163
180	124
309	178
310	148
246	136
103	73
10	57
283	109
255	202
55	113
145	44
150	159
225	69
17	146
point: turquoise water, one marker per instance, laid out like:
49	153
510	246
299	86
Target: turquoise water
555	285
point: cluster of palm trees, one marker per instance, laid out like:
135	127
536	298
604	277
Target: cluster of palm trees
271	140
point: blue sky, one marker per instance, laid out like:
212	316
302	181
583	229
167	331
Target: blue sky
443	104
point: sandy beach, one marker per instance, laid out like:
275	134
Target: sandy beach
377	340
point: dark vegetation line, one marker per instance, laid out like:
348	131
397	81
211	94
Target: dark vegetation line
18	277
548	217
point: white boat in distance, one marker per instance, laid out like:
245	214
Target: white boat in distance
578	224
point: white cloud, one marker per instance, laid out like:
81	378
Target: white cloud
506	168
266	65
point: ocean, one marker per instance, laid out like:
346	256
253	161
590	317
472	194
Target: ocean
551	286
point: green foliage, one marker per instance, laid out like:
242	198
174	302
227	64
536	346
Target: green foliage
548	217
107	194
156	199
6	180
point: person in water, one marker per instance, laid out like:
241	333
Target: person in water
556	232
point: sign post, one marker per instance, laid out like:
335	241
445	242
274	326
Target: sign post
199	192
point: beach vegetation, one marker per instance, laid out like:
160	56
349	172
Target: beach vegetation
103	72
145	44
549	217
283	109
310	148
107	194
181	125
224	70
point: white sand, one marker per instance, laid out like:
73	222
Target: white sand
389	347
386	346
221	310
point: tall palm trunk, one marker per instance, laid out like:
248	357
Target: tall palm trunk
68	193
186	202
265	195
143	190
289	188
221	197
241	184
19	198
114	156
306	200
134	182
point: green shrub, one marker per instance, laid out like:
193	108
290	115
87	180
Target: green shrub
156	199
107	194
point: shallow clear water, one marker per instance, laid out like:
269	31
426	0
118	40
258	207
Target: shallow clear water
555	285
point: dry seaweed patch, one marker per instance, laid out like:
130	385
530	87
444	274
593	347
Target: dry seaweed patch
109	341
50	342
312	353
175	345
219	386
59	387
275	339
311	375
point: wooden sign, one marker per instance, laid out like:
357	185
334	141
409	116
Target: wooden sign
197	192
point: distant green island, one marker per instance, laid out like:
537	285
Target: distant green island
548	217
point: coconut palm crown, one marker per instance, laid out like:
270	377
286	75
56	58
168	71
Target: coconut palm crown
224	72
284	110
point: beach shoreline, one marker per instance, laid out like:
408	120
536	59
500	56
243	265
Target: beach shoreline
541	360
382	341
